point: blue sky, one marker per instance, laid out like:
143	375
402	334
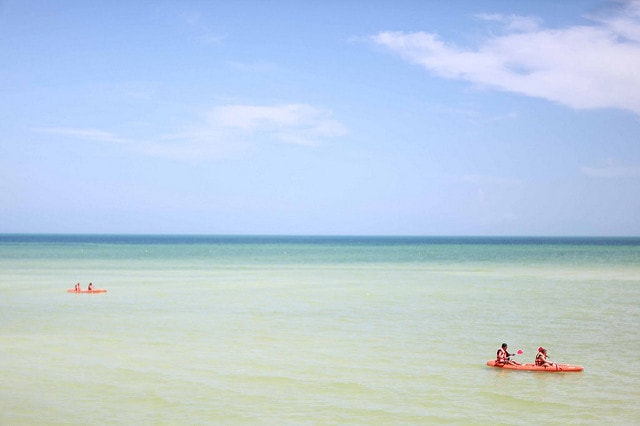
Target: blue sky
328	117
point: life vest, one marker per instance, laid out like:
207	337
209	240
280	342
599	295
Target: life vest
540	358
501	356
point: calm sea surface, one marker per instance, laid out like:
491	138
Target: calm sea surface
316	330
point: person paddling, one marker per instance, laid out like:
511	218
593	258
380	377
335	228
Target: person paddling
542	360
90	287
503	356
78	289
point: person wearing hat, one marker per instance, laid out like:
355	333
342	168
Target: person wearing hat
542	360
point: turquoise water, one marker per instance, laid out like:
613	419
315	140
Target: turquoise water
316	330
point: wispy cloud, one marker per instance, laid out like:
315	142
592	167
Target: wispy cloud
291	123
487	180
612	169
250	67
203	33
84	134
226	131
582	66
513	23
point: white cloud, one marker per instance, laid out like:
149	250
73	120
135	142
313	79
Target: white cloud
512	22
84	134
292	123
252	67
589	66
204	35
195	144
611	169
227	131
487	180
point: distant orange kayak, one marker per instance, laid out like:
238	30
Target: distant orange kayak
559	368
95	290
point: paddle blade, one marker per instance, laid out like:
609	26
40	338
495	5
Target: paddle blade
520	352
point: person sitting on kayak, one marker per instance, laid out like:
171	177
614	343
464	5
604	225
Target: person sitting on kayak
504	357
90	287
77	288
542	360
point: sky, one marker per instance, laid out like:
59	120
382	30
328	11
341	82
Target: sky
320	117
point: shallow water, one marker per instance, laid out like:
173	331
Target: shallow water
264	330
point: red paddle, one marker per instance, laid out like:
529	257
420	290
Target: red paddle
520	352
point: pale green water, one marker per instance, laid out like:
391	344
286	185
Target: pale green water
316	331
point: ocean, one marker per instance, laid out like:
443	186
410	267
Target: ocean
316	330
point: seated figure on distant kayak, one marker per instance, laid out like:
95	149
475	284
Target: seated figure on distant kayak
90	287
542	360
504	357
77	287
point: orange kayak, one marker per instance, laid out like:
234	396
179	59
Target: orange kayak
559	368
95	290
